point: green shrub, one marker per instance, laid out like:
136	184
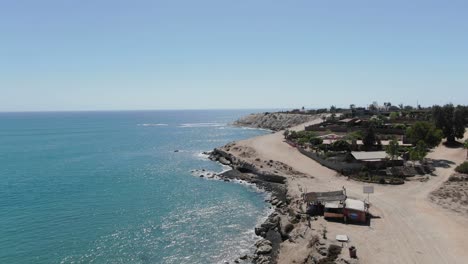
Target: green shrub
418	152
462	168
302	141
330	154
396	181
426	132
356	135
316	141
341	145
399	126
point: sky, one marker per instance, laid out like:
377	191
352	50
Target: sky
221	54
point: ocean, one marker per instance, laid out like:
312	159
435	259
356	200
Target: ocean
109	187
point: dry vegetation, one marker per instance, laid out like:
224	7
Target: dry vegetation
453	194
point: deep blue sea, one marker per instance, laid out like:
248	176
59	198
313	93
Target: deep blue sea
107	187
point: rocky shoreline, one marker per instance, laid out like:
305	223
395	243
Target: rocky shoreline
288	224
275	229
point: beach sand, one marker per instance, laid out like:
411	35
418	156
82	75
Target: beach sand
407	226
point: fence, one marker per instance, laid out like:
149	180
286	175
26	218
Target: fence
341	167
343	129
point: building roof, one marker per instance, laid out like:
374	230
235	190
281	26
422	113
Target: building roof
334	204
369	155
324	196
355	205
347	120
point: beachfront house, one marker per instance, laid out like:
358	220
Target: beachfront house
336	205
316	201
350	210
374	159
355	211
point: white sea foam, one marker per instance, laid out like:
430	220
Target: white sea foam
202	125
152	125
201	156
206	174
245	243
256	128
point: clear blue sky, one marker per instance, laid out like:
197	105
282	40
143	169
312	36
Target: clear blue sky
111	54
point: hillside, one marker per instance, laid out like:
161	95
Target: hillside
273	121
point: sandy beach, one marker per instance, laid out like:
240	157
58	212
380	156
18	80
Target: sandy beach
407	226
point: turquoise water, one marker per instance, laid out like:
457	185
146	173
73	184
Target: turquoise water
107	187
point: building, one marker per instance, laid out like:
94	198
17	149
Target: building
317	201
336	205
334	210
375	159
369	156
323	197
355	211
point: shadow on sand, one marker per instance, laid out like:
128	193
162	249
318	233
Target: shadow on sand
349	222
455	144
442	163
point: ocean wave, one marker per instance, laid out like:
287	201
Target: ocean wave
152	125
256	128
205	174
202	156
202	125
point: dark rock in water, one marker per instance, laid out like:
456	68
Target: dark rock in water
201	176
244	257
258	231
274	201
176	150
226	180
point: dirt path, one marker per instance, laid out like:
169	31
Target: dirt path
409	228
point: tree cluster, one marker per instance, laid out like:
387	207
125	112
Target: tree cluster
451	120
425	132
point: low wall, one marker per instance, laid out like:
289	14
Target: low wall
343	129
341	167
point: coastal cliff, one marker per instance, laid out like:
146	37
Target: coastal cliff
274	121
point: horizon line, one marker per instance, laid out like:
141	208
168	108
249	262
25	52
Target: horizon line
139	110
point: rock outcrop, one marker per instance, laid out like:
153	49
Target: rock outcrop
274	121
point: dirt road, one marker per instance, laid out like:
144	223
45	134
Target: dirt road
408	227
